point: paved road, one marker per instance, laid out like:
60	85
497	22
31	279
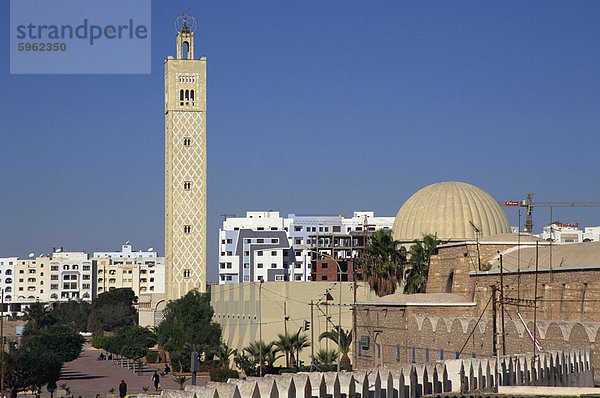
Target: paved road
87	377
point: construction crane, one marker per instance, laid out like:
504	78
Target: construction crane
529	204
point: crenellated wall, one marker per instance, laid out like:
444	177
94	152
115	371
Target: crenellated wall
569	368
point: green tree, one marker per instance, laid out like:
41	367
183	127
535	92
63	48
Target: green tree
345	344
188	320
292	344
63	343
419	260
37	316
112	310
325	359
73	314
250	357
383	263
28	368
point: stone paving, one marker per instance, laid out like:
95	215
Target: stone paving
86	377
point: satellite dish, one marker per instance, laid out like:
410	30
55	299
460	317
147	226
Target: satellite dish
127	242
31	255
150	249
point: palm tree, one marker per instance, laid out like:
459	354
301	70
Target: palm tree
420	258
383	263
37	315
325	359
269	352
290	344
345	344
222	353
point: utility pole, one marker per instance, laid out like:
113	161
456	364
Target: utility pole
2	339
502	304
312	337
354	338
494	321
260	342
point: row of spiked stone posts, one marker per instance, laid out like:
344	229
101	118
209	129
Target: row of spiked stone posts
566	368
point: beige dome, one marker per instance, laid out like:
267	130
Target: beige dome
448	208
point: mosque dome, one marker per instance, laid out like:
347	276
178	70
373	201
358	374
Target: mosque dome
448	209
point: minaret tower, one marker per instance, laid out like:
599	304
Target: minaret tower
185	165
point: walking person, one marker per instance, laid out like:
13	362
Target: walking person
156	380
122	389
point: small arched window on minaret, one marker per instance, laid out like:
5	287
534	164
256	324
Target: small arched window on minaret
192	97
180	97
185	53
187	97
450	282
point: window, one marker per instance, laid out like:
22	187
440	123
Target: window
260	241
273	265
273	228
223	241
246	265
8	289
9	272
229	241
186	273
75	266
86	278
187	229
86	268
323	265
323	277
229	253
66	267
337	228
187	186
222	265
260	228
298	277
275	240
228	265
259	265
246	253
31	280
53	277
54	286
21	271
298	241
259	253
297	228
279	277
86	285
273	252
246	278
31	288
32	271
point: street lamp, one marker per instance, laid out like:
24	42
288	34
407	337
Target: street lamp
260	343
302	247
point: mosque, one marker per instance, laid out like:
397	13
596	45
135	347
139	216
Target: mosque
482	272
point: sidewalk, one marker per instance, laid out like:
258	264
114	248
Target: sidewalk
86	377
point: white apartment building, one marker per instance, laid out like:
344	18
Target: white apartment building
71	276
569	233
7	282
142	272
265	246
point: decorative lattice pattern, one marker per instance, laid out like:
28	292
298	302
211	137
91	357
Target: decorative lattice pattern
187	207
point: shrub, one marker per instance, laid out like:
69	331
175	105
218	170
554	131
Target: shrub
218	374
287	370
152	357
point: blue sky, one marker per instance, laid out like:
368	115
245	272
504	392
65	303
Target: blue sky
313	107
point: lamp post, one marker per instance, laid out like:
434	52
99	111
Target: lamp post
302	247
260	343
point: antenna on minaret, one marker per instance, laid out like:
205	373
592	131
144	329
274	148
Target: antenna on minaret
185	25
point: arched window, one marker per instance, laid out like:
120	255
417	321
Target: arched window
192	97
8	289
8	280
8	272
54	296
8	298
185	50
31	280
187	97
450	282
86	295
180	97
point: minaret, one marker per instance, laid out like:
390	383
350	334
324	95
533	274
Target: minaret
185	166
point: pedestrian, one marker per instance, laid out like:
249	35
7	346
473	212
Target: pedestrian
167	368
122	389
156	380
